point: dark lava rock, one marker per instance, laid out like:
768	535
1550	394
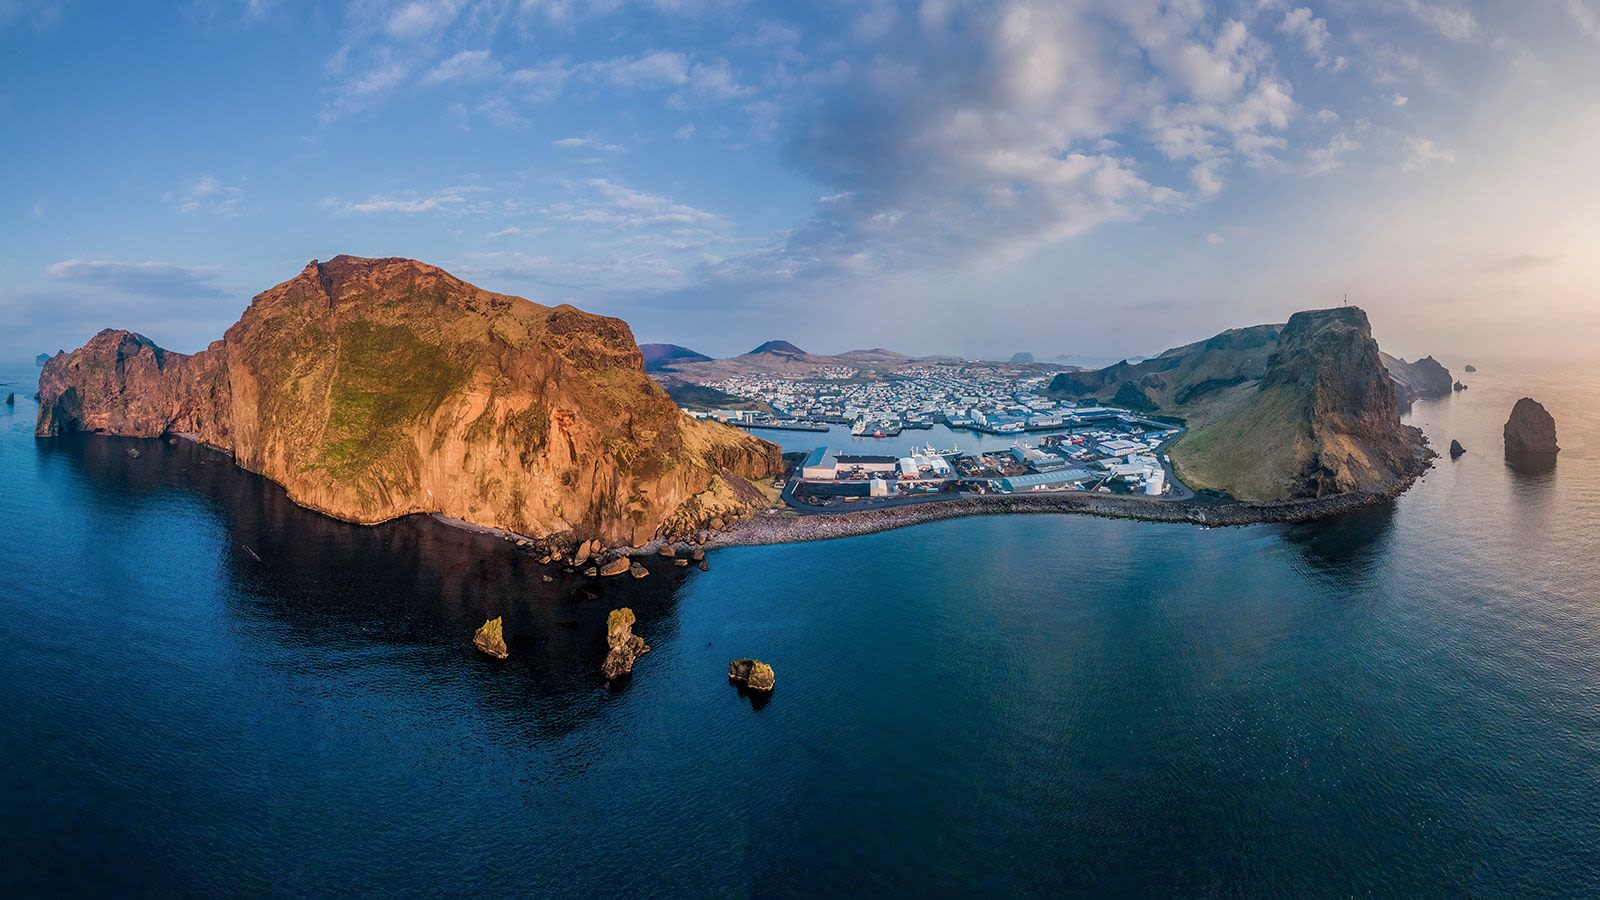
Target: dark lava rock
1471	368
1531	434
1456	449
11	399
1460	387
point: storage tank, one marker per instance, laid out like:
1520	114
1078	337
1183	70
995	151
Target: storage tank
1156	483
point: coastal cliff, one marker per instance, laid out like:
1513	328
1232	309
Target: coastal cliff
1425	379
1275	413
375	388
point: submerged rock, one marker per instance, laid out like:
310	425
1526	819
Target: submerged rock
1531	433
637	570
132	453
1456	449
625	645
490	640
616	566
752	674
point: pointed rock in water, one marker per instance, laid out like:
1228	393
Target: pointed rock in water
752	674
490	640
625	645
1531	434
1460	387
638	571
1456	449
11	399
616	566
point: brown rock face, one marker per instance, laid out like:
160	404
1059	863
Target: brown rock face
625	645
753	674
490	640
1531	433
376	388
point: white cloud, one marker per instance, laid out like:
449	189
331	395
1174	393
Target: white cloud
1422	152
151	279
421	18
1585	17
1400	100
617	205
1321	160
1313	33
448	199
206	193
466	66
587	142
1450	19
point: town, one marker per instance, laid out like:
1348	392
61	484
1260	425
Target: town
1085	447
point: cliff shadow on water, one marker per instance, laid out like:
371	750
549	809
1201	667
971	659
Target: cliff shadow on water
1347	547
320	584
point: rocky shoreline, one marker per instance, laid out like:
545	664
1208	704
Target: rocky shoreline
777	529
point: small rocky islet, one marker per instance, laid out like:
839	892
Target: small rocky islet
752	675
1530	435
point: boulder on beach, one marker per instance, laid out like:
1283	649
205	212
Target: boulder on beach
489	639
625	645
1456	449
616	566
1531	434
752	674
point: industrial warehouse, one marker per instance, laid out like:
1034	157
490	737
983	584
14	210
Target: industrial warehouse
1122	454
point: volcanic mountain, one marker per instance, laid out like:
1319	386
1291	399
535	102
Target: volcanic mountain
1274	412
777	348
376	388
663	356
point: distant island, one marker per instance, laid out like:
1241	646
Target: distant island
41	359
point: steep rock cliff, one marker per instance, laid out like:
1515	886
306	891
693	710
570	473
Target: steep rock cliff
375	388
1323	420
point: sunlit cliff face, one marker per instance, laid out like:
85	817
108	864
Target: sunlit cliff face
975	177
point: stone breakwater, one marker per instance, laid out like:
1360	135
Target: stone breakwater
774	529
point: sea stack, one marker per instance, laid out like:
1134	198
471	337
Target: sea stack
11	399
625	645
752	674
1531	434
1456	449
490	640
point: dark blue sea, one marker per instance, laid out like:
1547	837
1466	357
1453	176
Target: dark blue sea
207	691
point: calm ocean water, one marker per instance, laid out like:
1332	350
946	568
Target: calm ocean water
208	691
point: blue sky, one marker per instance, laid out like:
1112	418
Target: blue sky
1100	178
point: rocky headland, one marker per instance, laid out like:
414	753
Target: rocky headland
376	388
1300	411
